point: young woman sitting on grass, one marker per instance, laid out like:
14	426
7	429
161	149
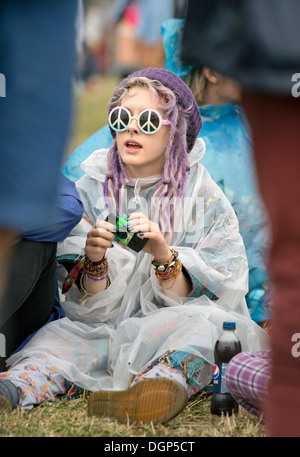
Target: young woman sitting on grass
140	328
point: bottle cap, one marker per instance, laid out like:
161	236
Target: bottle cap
229	325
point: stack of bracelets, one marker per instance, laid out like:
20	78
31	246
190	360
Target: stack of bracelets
97	271
169	271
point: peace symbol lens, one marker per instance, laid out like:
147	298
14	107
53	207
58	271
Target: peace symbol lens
149	120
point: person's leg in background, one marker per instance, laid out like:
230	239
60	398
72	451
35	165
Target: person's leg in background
275	130
29	383
29	296
247	379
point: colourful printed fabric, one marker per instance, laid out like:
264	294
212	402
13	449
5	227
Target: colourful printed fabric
73	391
193	372
247	377
72	275
36	382
198	288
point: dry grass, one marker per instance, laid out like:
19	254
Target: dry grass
69	419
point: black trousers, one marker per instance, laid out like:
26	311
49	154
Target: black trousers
29	296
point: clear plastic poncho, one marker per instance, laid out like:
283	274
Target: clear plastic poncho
113	335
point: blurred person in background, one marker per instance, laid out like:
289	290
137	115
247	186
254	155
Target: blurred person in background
37	49
228	159
31	297
138	42
257	43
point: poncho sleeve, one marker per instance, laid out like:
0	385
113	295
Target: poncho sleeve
213	253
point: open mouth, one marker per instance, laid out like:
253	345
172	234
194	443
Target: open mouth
132	145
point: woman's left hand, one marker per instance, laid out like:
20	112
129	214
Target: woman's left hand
157	245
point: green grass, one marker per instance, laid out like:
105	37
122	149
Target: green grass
69	419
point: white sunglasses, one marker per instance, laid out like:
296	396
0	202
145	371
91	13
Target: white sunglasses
149	120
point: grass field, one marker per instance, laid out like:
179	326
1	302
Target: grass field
69	418
91	110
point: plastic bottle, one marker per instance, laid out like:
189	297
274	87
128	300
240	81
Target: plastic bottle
226	347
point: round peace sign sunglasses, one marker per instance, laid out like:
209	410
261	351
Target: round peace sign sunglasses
149	120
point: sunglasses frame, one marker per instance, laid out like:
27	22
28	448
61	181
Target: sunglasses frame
161	120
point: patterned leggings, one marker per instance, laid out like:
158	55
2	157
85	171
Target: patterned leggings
35	381
247	378
38	382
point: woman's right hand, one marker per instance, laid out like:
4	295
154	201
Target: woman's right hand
99	239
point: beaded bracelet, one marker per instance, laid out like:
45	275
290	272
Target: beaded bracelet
171	273
171	263
95	270
83	289
94	265
98	274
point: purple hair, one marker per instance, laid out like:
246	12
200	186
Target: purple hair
173	179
